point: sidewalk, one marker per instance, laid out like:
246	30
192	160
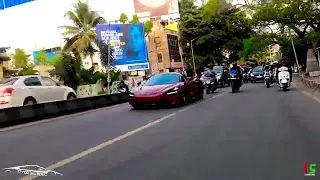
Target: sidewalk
310	85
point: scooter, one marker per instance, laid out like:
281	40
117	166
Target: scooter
284	78
235	81
210	82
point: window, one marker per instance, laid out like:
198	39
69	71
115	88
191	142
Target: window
162	79
182	79
48	81
32	81
159	57
173	45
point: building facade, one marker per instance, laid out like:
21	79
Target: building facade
163	49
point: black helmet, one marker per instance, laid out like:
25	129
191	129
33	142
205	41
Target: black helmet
234	63
210	66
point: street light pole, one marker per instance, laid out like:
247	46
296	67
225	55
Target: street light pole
194	65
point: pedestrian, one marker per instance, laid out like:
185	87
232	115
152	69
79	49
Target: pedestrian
123	87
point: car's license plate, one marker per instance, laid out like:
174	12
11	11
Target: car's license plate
259	76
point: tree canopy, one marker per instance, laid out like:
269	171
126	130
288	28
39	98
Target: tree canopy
81	37
217	33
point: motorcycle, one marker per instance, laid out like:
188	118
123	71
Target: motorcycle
245	78
284	78
210	82
267	78
235	81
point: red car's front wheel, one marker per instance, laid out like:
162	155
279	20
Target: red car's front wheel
183	100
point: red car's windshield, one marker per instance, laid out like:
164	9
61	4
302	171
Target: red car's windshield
163	79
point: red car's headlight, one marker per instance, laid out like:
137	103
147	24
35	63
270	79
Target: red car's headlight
172	91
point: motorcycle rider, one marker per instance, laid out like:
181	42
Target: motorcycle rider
237	69
209	69
285	64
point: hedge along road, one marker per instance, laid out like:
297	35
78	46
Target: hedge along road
259	133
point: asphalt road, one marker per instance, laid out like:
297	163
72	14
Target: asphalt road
257	134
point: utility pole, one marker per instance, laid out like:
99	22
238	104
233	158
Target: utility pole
109	50
194	65
295	54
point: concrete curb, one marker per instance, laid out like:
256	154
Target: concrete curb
24	114
309	82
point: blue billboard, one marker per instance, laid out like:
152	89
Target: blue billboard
49	55
128	43
10	3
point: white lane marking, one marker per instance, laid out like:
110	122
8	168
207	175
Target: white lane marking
187	108
308	94
119	138
312	96
59	118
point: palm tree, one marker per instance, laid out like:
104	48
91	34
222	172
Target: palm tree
82	38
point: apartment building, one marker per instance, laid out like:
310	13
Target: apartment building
163	49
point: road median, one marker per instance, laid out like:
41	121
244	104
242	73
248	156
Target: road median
18	115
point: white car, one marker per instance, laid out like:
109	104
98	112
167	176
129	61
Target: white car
34	89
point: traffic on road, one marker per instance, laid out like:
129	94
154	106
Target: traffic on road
257	133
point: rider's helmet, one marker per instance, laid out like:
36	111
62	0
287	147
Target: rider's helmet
210	66
283	63
234	64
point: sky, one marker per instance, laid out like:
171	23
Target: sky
33	26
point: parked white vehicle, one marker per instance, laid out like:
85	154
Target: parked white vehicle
284	78
34	89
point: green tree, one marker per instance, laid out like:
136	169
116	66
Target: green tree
42	57
148	25
55	60
20	58
83	36
135	19
123	18
216	37
185	5
67	70
296	18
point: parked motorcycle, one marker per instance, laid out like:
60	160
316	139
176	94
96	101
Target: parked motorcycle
235	81
245	78
209	81
284	78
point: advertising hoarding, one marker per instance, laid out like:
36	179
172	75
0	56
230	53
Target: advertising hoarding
151	8
128	44
10	3
49	55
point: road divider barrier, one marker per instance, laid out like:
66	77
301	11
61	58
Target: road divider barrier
58	108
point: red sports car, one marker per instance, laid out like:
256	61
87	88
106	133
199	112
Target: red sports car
166	89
